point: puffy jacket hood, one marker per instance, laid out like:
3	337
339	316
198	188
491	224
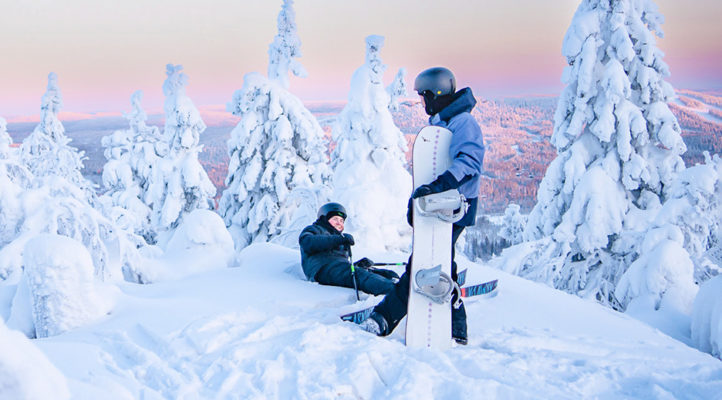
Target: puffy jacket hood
463	101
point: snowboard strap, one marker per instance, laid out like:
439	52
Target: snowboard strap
449	206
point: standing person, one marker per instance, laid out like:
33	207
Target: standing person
450	109
326	255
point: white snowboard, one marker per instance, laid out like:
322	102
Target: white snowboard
428	323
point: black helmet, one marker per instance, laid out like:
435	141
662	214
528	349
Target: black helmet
438	80
328	210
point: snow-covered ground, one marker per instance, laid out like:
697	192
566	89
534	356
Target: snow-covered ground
258	330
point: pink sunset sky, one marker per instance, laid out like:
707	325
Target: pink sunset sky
103	51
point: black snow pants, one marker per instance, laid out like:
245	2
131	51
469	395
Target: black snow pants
394	306
339	274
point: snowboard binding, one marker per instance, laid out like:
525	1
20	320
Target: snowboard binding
435	285
449	206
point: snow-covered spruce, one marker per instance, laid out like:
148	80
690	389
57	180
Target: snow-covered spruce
285	48
370	177
15	178
276	152
25	372
694	205
512	225
55	206
182	184
130	169
397	90
57	201
278	173
5	139
619	150
46	151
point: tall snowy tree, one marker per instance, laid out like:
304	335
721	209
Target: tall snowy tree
286	46
397	89
183	184
370	177
125	151
618	147
512	225
15	178
275	149
46	151
278	159
5	139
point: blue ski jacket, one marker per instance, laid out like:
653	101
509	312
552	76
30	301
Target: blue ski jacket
321	244
466	149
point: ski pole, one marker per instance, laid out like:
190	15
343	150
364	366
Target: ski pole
397	264
355	285
353	273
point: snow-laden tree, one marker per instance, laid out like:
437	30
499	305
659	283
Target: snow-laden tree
694	205
618	147
181	185
15	178
5	139
512	225
276	149
286	46
54	205
370	177
397	89
46	151
58	200
278	159
128	172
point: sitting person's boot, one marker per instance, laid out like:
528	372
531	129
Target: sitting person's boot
458	324
375	324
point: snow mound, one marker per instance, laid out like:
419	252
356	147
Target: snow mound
201	243
64	292
707	317
25	372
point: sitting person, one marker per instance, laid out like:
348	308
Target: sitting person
326	255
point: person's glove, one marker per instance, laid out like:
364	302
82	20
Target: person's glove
364	263
348	239
442	183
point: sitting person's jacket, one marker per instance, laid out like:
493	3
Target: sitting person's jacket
321	244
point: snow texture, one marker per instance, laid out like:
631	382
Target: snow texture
25	372
619	150
278	161
286	46
369	159
707	317
201	243
260	331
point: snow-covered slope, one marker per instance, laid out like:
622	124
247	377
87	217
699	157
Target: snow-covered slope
259	331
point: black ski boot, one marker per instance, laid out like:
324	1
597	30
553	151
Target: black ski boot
458	323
